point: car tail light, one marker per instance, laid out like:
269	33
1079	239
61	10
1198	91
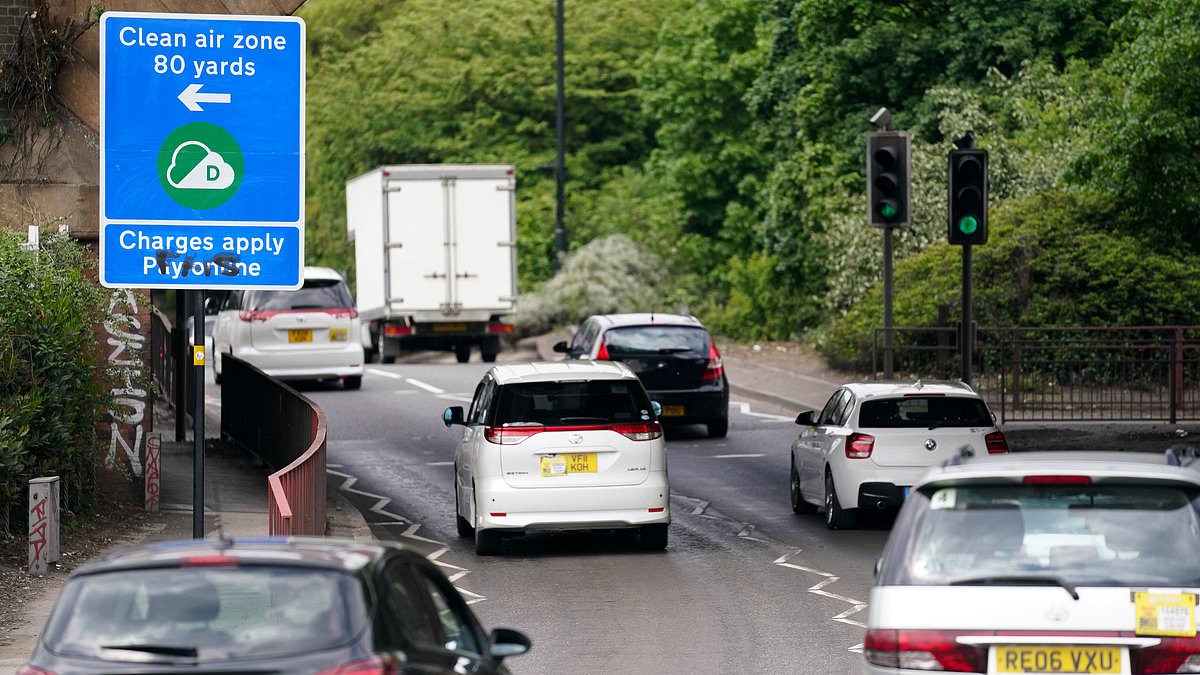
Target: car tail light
602	355
859	446
715	366
372	666
509	435
1171	655
342	312
640	431
393	331
29	669
1057	480
996	443
251	316
499	328
645	431
209	561
923	650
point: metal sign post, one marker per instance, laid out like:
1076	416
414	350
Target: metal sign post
201	163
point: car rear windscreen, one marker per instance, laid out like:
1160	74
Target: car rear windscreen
1082	534
219	612
924	411
657	340
571	403
315	294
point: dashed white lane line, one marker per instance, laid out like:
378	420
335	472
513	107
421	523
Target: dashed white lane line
745	409
385	373
423	385
410	532
739	455
439	463
465	398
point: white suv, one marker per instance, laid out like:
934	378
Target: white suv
308	334
1055	562
565	445
872	440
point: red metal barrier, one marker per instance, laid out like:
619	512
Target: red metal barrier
296	493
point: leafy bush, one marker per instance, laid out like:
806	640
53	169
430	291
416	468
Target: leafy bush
51	372
608	275
1057	259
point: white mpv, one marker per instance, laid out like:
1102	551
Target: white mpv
564	445
1042	562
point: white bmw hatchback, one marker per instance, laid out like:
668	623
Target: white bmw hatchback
565	445
873	440
1055	562
308	334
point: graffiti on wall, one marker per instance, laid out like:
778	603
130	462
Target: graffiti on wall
128	414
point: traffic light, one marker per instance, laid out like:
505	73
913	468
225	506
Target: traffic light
968	196
888	184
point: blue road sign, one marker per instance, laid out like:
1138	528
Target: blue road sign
201	149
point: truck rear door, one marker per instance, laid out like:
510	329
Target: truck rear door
482	242
418	269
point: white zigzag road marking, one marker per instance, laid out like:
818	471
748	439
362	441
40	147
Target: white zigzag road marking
410	532
816	589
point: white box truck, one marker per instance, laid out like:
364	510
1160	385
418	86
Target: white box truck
436	258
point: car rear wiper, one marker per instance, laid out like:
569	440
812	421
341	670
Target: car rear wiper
165	650
1018	580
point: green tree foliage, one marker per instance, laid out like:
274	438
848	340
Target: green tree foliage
51	371
1058	258
432	81
1148	143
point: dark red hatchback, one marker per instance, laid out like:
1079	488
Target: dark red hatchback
277	605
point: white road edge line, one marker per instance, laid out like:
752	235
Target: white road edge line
410	532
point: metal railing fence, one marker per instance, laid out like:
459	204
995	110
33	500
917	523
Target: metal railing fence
1118	373
286	431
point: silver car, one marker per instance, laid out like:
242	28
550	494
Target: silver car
1042	563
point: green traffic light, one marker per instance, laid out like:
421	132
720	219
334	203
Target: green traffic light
968	225
887	210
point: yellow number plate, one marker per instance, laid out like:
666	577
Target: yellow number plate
449	327
339	334
1055	659
561	465
1171	614
299	335
672	411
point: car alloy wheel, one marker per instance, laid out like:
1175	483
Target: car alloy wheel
836	518
464	526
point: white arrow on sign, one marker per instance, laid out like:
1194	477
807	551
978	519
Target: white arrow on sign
192	98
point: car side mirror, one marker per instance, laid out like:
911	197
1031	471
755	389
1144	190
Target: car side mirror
805	419
657	408
507	642
878	566
561	347
452	415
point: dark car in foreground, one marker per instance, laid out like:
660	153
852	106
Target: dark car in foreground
674	357
299	605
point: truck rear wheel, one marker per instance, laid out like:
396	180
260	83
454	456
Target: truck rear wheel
462	353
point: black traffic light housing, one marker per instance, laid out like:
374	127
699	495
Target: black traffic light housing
888	178
968	196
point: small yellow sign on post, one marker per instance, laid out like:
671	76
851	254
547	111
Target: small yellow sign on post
198	355
1172	614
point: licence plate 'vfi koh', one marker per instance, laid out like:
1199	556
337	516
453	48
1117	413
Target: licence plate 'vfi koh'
562	465
299	335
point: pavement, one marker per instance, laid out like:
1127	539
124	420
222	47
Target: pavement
235	505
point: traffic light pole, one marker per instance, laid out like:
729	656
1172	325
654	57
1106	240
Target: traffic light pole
887	302
966	335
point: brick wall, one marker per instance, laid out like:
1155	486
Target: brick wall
12	13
